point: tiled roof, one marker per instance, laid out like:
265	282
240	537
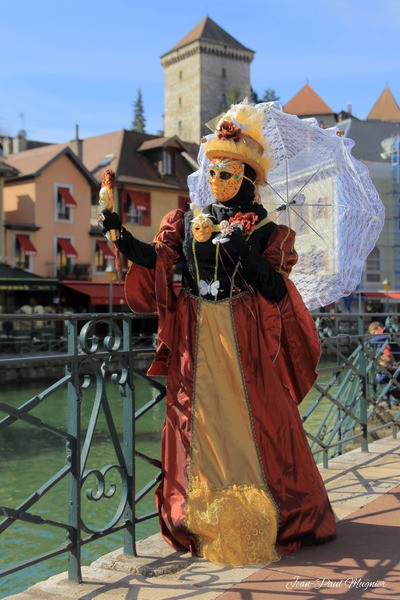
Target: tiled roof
208	30
368	137
118	151
31	163
306	103
385	108
141	166
6	169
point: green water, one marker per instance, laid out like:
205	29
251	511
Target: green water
29	456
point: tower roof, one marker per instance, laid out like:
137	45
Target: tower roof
208	30
385	108
307	102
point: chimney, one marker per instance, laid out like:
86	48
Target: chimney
76	145
20	142
349	107
7	145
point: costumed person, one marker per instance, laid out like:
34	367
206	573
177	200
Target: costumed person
239	348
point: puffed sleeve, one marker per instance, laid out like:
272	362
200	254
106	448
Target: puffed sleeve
151	289
170	235
280	250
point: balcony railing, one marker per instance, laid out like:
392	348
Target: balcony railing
80	271
348	406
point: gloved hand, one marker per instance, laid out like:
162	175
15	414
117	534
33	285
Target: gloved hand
108	220
237	241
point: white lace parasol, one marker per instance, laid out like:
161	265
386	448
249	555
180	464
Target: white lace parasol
320	190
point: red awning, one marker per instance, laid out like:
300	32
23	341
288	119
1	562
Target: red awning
395	295
26	244
99	293
68	248
137	200
67	197
105	249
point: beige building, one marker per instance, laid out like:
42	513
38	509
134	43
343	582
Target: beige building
51	203
204	73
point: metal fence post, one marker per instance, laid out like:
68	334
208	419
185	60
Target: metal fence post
74	455
129	442
364	387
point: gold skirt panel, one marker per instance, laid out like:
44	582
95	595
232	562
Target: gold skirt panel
229	507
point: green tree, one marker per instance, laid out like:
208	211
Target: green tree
254	96
139	121
269	95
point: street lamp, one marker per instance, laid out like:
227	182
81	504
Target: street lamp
386	286
111	277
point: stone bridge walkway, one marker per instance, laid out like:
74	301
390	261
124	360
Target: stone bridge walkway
362	563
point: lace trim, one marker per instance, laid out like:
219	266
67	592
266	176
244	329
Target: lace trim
235	526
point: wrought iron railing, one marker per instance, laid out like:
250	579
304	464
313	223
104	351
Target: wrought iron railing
354	400
97	349
356	395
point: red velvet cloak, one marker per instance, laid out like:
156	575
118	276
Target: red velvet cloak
279	351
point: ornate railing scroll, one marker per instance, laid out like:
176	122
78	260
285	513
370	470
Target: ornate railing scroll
99	352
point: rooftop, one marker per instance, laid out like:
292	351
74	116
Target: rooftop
306	103
368	137
117	150
385	108
208	30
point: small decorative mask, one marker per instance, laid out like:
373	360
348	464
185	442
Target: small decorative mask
225	177
202	228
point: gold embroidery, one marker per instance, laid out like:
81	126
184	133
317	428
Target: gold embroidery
236	525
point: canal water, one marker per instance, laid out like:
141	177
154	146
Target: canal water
30	456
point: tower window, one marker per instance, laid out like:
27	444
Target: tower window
223	73
180	101
180	74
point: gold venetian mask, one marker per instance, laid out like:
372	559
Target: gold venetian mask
225	177
202	228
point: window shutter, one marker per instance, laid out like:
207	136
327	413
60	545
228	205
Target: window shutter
183	202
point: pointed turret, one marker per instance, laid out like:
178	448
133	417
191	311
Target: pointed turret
385	108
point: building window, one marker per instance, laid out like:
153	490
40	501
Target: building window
134	216
180	125
64	203
103	256
180	101
23	252
167	162
180	74
223	73
136	208
373	266
65	254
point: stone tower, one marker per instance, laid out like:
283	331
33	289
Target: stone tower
204	73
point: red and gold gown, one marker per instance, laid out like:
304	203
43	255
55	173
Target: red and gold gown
239	482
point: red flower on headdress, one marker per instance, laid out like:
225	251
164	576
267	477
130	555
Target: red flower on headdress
228	131
246	220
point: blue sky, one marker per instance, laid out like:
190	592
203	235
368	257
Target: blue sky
82	61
